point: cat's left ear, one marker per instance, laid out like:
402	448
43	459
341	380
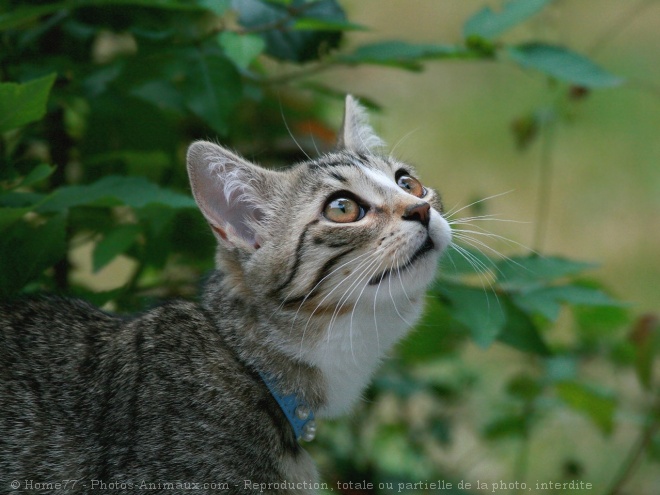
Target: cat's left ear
230	192
356	133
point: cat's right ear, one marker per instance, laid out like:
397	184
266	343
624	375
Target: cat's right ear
230	193
356	133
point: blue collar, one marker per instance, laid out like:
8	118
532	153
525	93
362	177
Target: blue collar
296	410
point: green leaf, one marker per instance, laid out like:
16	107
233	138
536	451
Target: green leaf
37	174
547	301
403	54
524	387
241	49
560	368
23	15
541	302
488	24
212	89
316	24
654	448
26	251
457	264
114	243
119	122
277	24
533	271
563	64
597	404
136	192
218	7
521	333
9	216
437	335
514	425
480	311
21	104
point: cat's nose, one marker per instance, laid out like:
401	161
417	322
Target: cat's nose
420	212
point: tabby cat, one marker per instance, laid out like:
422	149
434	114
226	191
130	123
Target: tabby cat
321	268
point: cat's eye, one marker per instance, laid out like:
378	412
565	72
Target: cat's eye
409	184
343	210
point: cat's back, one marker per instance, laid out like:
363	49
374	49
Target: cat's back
45	330
92	396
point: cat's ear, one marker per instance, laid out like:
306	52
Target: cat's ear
356	134
229	192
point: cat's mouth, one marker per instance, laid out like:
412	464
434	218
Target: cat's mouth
421	251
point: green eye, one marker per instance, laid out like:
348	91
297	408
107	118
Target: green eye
343	210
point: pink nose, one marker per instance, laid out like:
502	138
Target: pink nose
421	212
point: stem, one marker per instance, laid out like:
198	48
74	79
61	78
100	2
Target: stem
621	23
60	144
522	464
545	181
634	458
302	73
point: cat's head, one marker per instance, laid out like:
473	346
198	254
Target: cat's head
353	225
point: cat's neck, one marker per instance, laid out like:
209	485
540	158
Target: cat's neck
326	359
354	346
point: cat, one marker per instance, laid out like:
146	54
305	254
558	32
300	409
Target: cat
321	269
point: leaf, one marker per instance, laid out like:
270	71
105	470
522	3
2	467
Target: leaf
521	333
514	425
26	251
524	387
488	24
316	24
136	192
597	404
533	271
563	64
403	54
212	89
437	335
241	49
9	216
37	174
547	301
277	24
21	104
114	243
561	367
456	264
475	308
218	7
23	15
539	302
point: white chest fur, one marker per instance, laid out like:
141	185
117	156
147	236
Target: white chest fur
353	347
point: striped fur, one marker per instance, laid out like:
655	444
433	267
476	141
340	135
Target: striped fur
174	394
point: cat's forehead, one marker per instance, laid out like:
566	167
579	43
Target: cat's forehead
345	166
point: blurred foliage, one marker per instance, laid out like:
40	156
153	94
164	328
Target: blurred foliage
98	102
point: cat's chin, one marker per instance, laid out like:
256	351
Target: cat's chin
427	249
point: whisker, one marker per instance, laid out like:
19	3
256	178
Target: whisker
467	255
486	233
360	265
389	287
453	211
398	271
478	243
290	133
406	136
